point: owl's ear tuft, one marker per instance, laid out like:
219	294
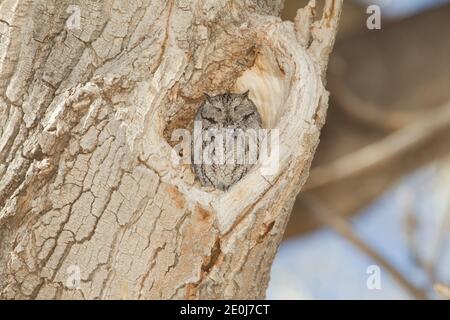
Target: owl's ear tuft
245	94
208	97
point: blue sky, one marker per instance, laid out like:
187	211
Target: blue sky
404	7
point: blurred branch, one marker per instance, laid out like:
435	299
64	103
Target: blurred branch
385	150
370	113
341	226
432	265
379	116
411	226
442	290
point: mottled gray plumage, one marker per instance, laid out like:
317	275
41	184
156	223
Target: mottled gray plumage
225	111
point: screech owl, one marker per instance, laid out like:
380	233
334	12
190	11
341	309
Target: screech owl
231	121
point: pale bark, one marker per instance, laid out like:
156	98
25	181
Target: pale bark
86	116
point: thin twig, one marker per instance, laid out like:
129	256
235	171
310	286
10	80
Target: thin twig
341	226
442	234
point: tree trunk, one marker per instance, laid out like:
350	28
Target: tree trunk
92	204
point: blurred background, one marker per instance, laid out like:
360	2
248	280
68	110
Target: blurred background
373	220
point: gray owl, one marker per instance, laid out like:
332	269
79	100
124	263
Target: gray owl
228	139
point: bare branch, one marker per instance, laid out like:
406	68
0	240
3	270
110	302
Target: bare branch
341	226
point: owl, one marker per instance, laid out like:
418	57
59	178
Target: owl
228	144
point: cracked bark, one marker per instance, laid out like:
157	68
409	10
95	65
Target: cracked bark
86	116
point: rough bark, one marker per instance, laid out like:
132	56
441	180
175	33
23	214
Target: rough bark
86	116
